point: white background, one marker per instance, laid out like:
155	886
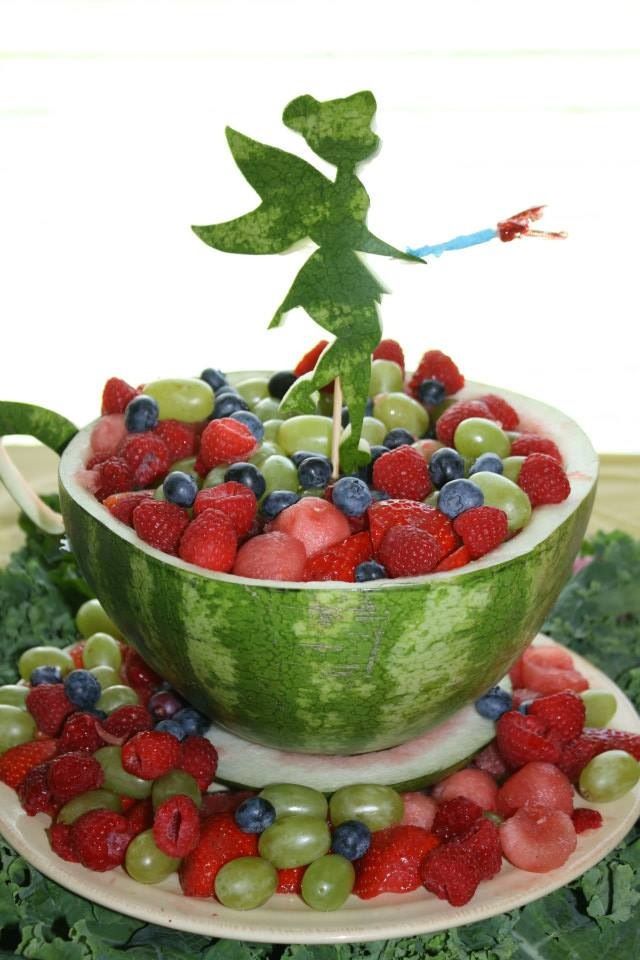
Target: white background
112	120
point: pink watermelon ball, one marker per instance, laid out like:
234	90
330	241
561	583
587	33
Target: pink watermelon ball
316	523
476	785
550	670
107	435
537	839
419	810
539	783
271	556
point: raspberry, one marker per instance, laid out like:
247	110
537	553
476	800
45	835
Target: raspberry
72	774
521	739
454	817
199	758
502	411
449	421
49	706
290	880
340	561
392	513
403	474
540	783
176	826
235	500
307	363
148	458
116	395
160	524
35	793
139	675
528	443
226	441
210	541
459	558
61	842
122	505
139	815
408	552
79	734
482	529
389	350
16	762
180	438
150	754
436	365
392	862
221	840
563	713
223	801
113	476
592	742
101	838
586	819
482	845
543	480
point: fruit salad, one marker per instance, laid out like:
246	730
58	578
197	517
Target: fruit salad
206	470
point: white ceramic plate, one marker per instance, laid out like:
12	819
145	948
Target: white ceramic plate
286	919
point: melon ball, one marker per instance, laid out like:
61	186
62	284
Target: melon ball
107	435
316	523
271	556
476	785
538	839
419	810
536	782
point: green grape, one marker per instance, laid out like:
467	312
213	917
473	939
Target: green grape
375	805
609	776
14	695
327	882
293	799
401	410
187	400
268	448
101	650
373	431
116	696
600	707
306	432
253	390
158	493
186	465
216	476
91	800
267	409
511	467
91	618
106	676
245	883
432	499
295	841
386	377
16	726
279	474
116	777
477	435
44	657
173	783
145	862
494	817
271	428
505	495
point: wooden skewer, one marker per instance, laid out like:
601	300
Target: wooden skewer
336	429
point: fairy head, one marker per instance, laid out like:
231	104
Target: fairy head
337	130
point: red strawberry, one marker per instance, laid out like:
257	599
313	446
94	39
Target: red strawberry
528	443
49	706
393	513
223	801
408	552
402	473
592	742
122	505
563	713
226	441
147	457
586	819
290	880
448	422
199	758
73	773
459	558
454	817
210	541
389	350
482	529
139	815
61	842
235	500
502	411
340	561
116	395
221	840
150	754
34	791
112	476
16	762
392	862
160	524
79	734
521	739
308	362
101	838
436	365
543	480
176	826
454	870
180	438
76	653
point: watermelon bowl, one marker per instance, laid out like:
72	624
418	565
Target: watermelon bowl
330	668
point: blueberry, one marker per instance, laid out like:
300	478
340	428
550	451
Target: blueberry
180	488
431	392
345	419
172	727
377	450
98	714
215	378
368	407
446	464
47	674
378	495
277	501
82	688
351	839
487	461
494	703
229	403
370	570
255	814
351	495
524	707
192	722
398	437
250	420
314	473
459	495
249	475
280	383
226	389
301	455
164	704
141	414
